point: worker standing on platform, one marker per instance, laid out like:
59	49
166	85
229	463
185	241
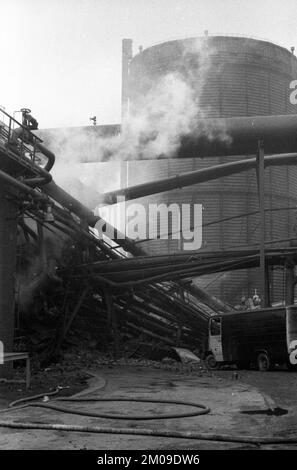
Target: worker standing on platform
30	123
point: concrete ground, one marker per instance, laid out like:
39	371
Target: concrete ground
228	399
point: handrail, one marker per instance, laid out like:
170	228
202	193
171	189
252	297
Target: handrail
21	125
33	140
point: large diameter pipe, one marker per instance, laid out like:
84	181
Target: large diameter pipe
67	201
240	136
73	205
70	203
193	177
230	136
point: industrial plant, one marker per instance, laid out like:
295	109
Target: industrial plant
170	237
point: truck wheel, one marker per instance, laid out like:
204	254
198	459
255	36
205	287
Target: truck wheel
264	362
211	362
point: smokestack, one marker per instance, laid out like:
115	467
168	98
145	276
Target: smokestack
126	58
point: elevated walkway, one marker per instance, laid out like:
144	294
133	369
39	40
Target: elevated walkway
28	157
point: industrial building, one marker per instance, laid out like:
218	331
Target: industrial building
202	118
227	77
208	127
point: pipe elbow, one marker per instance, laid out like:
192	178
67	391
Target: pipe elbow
49	154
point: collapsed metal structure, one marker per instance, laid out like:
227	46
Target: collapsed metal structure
124	273
167	312
148	296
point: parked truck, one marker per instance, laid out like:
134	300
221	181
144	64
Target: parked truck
264	337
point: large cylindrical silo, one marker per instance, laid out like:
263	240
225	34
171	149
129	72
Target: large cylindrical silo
230	76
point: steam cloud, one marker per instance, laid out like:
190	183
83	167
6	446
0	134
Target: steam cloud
160	118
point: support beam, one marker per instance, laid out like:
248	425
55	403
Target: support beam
8	232
126	58
289	282
261	194
112	319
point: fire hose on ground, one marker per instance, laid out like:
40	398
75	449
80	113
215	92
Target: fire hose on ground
200	410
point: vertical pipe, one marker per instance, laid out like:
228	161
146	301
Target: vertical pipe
126	58
268	285
289	282
8	231
261	194
112	319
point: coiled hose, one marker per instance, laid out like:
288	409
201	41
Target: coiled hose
77	399
129	431
201	408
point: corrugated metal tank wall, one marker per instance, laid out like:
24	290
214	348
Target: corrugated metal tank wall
242	77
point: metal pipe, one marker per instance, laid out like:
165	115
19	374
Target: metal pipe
185	266
239	136
194	177
195	271
63	198
35	140
290	281
21	186
232	136
73	205
173	260
261	197
70	203
36	181
213	302
43	177
50	155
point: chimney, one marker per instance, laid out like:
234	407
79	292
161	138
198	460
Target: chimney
126	58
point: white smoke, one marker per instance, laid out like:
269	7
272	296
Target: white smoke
167	112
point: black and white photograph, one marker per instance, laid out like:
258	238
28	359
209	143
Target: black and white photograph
148	230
